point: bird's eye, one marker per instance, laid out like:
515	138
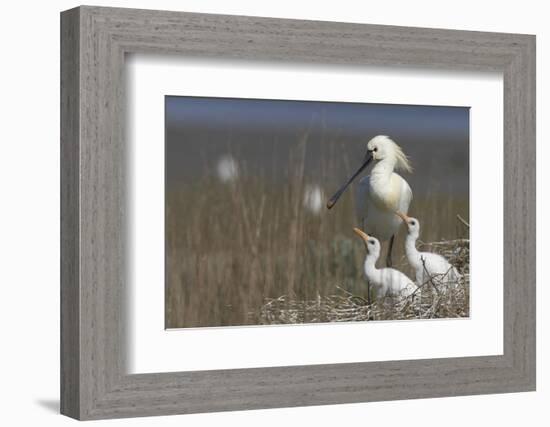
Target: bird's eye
413	222
375	149
371	242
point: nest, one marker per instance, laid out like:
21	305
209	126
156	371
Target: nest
435	298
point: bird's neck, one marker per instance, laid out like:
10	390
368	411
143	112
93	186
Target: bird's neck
382	171
372	273
410	250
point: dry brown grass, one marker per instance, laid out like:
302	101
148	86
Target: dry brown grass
232	248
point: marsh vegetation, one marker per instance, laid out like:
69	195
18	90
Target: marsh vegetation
256	248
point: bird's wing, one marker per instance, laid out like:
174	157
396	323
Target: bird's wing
438	266
394	281
406	196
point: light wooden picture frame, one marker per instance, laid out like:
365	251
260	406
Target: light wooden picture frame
94	42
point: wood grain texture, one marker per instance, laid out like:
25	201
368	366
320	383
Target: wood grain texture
70	163
94	194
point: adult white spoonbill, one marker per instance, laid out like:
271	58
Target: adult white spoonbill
426	265
386	281
379	195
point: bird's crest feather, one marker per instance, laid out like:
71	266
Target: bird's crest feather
403	162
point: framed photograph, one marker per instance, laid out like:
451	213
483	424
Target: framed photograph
262	213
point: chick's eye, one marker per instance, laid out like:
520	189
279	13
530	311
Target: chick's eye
375	149
371	242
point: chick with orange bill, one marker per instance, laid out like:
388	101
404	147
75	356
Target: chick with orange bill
428	266
384	281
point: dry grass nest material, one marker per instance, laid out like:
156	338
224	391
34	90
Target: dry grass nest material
433	299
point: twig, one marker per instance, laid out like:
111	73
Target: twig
462	220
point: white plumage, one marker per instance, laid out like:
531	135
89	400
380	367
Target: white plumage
375	200
381	193
384	281
427	265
